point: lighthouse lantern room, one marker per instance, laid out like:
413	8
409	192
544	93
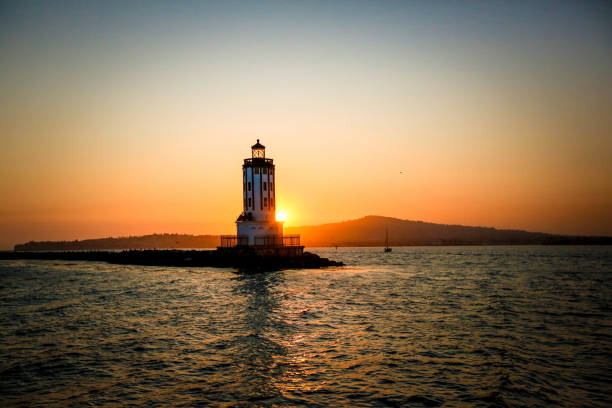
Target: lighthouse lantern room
258	151
256	226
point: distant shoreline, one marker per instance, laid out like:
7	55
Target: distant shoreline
605	242
367	231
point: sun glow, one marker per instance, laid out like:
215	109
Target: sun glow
281	216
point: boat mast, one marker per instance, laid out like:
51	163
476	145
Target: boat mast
386	237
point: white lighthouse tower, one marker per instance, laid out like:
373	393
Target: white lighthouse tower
257	224
258	232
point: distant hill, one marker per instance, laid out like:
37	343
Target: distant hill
142	242
366	231
370	231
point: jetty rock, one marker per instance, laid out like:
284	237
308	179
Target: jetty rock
247	260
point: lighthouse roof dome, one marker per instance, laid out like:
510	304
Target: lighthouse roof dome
258	145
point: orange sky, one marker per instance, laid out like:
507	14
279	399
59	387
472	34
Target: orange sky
124	126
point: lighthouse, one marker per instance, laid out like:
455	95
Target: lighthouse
257	227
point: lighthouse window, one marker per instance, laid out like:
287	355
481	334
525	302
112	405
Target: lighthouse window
265	171
249	184
249	201
265	201
265	186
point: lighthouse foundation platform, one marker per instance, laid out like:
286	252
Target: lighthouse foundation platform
263	251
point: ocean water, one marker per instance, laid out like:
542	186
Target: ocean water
435	326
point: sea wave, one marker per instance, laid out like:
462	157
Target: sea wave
435	326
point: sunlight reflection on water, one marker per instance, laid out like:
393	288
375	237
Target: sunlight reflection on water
477	326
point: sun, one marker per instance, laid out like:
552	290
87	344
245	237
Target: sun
281	216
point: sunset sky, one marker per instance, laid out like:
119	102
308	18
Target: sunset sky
129	118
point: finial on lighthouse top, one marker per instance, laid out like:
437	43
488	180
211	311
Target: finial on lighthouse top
259	150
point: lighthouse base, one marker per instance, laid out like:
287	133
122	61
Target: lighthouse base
262	251
257	233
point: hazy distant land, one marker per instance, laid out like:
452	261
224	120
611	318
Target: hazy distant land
370	231
366	231
166	241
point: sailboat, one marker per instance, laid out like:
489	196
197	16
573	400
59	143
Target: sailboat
387	247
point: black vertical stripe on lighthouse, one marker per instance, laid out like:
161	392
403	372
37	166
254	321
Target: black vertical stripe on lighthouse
270	191
268	181
261	189
253	187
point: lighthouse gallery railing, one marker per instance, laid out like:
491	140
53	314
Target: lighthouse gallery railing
269	241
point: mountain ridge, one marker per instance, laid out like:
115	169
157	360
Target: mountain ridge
151	241
370	231
365	231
